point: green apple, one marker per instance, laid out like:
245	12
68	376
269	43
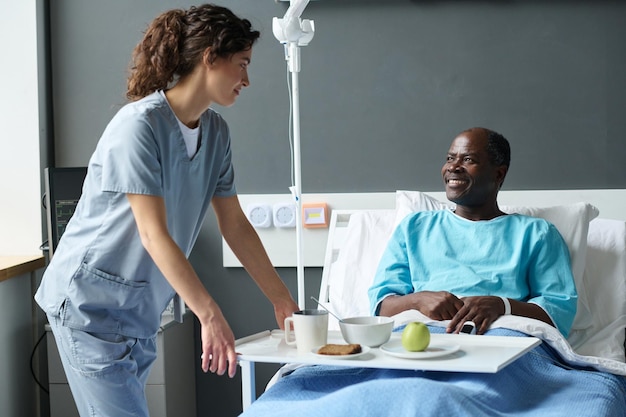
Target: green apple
415	337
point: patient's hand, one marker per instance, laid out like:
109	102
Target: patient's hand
438	305
482	310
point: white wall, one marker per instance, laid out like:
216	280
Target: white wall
20	190
20	197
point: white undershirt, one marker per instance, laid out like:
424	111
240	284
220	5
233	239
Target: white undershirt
191	138
189	135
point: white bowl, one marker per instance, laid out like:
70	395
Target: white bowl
370	331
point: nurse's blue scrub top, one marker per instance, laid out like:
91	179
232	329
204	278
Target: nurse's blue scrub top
101	279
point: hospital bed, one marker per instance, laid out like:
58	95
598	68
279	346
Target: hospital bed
584	374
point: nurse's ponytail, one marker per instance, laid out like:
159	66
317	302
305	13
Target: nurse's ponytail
177	40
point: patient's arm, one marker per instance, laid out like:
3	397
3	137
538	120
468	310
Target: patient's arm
438	305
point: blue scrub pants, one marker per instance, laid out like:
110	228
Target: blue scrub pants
106	372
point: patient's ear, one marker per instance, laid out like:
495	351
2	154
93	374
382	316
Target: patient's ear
501	174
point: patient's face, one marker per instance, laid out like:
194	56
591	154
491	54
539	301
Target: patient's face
468	175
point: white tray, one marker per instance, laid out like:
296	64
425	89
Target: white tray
484	354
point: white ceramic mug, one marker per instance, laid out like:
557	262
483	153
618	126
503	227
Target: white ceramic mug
310	330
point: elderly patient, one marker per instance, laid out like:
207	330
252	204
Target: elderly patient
476	262
456	266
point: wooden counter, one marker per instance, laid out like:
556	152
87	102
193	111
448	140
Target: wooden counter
11	266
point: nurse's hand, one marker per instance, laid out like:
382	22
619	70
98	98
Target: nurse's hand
218	345
284	309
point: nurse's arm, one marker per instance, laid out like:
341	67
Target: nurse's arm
246	245
218	341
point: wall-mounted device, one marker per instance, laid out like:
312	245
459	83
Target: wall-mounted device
63	188
315	215
259	215
284	215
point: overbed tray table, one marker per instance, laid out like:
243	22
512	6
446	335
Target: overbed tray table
484	354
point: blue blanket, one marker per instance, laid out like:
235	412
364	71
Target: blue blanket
537	384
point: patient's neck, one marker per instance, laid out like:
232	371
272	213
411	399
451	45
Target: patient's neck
476	213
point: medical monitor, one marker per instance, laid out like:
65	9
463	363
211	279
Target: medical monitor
63	188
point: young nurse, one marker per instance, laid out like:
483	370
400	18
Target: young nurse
158	165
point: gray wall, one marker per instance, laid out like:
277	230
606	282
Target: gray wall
385	86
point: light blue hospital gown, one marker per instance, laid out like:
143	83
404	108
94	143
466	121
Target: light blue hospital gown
514	256
101	279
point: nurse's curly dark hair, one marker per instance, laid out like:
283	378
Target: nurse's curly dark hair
176	41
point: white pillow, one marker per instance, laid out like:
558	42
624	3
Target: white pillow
605	282
572	222
408	202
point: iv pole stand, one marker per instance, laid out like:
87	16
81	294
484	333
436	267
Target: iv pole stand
294	33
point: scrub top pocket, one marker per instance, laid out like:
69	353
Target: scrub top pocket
92	288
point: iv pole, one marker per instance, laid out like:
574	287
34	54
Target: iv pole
293	32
